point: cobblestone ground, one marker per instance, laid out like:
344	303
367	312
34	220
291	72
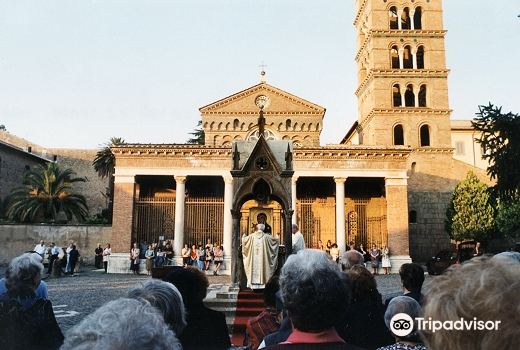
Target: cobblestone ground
75	297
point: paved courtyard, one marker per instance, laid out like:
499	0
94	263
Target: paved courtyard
75	297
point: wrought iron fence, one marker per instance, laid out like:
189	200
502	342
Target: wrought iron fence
153	217
203	220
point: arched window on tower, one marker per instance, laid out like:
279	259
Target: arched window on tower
420	57
407	57
236	124
287	124
398	135
396	95
425	135
422	96
417	18
409	97
394	57
392	14
406	22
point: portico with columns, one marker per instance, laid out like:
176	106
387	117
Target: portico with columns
187	193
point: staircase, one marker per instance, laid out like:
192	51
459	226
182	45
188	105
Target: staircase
238	307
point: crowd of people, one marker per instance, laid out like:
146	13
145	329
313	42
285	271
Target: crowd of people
311	304
374	257
200	256
61	261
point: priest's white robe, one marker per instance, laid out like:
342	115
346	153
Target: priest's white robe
260	255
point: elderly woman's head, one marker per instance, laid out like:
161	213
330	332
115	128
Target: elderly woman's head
165	297
23	274
404	305
313	291
483	289
120	324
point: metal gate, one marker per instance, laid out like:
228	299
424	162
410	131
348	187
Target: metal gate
317	219
366	221
153	217
203	220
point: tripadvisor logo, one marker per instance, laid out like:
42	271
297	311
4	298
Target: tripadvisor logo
402	325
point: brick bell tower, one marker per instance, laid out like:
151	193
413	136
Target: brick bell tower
403	80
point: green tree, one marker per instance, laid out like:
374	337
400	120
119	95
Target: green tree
507	220
46	192
2	127
198	135
104	164
471	213
500	140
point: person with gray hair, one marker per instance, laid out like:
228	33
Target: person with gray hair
315	298
27	320
482	292
122	324
409	306
166	298
351	258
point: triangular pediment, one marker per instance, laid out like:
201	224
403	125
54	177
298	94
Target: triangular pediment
279	102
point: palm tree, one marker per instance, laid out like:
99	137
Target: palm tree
46	192
104	164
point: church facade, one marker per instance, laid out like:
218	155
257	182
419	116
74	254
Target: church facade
388	182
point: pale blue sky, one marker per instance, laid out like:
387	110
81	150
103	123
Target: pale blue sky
75	73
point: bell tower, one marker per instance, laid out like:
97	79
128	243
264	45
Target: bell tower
403	81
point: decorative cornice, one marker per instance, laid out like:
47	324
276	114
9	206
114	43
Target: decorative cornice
360	11
401	73
406	111
348	152
168	150
273	113
394	33
445	150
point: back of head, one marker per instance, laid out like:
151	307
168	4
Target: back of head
121	324
166	298
363	282
260	227
191	283
412	277
351	258
481	289
313	292
23	274
405	305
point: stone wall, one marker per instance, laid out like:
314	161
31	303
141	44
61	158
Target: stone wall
16	239
79	160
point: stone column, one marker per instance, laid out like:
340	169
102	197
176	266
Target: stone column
399	24
180	196
124	192
414	57
403	99
397	221
340	213
412	14
228	221
293	199
237	271
416	96
401	58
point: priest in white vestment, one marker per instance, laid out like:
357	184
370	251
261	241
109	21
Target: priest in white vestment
260	254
